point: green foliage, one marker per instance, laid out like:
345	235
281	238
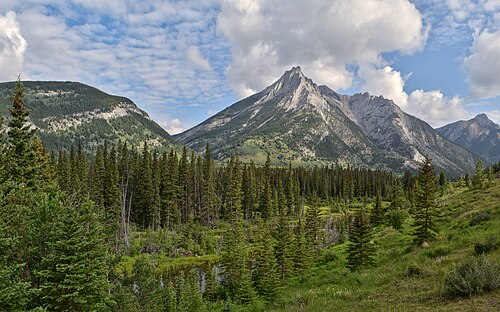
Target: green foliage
487	246
360	250
425	212
478	179
480	218
475	276
73	274
265	274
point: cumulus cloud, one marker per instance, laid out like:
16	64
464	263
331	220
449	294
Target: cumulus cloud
12	47
268	37
483	65
431	106
172	125
385	81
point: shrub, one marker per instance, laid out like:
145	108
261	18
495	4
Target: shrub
327	256
489	245
396	218
413	270
479	219
475	276
437	252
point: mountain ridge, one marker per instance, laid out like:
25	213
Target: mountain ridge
67	113
331	127
479	134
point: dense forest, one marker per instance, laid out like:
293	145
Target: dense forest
143	229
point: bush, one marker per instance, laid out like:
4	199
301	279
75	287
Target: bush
327	256
413	270
437	252
396	218
489	245
475	276
479	219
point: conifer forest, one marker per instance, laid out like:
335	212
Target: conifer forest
122	227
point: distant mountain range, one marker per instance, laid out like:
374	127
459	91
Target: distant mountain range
301	122
66	113
294	119
479	135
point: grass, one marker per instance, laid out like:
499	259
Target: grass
405	278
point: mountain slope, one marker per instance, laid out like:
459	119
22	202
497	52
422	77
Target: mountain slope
298	121
69	112
478	134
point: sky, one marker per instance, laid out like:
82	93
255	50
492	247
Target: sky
182	61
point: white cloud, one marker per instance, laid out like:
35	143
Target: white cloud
494	115
386	81
194	57
483	65
431	106
435	108
12	47
172	125
323	36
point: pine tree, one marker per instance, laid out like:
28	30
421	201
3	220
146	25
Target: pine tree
265	206
208	200
478	178
21	155
264	275
361	250
73	274
301	252
236	274
425	212
377	216
283	236
313	225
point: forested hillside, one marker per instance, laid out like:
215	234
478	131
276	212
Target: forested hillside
129	229
67	113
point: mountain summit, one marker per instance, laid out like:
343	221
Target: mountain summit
478	134
299	121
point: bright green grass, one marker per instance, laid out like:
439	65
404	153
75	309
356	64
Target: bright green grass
387	286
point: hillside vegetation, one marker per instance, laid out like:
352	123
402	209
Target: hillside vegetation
405	278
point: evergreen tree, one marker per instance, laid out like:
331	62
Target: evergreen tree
265	205
264	275
236	274
478	179
21	155
425	211
301	255
377	216
360	251
313	224
73	274
283	240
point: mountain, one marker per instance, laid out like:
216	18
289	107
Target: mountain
479	134
299	121
66	113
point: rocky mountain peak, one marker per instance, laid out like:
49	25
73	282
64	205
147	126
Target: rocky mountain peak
483	120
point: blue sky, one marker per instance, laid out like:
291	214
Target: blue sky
182	61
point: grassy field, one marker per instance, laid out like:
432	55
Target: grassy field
405	278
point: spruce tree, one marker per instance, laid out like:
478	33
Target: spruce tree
236	273
73	273
360	250
478	178
265	205
425	212
264	275
283	236
377	216
301	252
313	225
21	155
